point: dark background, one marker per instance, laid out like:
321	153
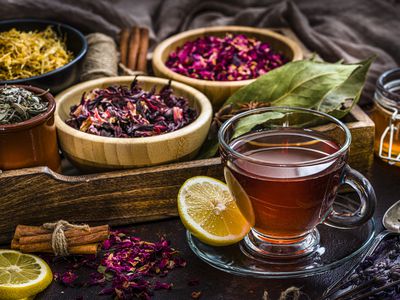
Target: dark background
336	29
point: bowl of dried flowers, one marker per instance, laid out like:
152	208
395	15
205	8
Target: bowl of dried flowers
127	122
219	60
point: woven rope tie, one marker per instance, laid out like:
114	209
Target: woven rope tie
58	239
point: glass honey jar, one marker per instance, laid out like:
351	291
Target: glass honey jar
386	116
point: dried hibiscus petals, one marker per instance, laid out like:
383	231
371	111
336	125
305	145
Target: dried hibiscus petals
128	267
228	58
67	278
124	112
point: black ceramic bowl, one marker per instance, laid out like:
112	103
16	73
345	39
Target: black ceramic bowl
63	77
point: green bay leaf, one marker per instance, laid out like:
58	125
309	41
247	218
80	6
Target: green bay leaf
339	101
246	124
300	83
333	88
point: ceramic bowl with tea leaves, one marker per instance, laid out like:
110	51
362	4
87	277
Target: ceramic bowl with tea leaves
93	150
219	91
27	137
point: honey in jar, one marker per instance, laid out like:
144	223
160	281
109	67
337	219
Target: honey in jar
386	116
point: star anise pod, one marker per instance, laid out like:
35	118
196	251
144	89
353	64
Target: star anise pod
251	105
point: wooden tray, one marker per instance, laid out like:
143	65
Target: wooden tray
37	195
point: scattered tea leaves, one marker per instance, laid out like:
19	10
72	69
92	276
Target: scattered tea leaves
376	277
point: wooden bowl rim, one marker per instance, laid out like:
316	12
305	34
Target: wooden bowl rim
203	102
159	50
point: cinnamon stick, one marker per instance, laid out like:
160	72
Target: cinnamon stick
68	234
143	48
73	241
80	249
24	230
133	47
123	45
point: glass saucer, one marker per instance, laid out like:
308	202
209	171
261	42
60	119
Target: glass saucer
335	248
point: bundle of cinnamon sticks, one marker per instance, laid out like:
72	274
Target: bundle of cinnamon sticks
133	45
30	239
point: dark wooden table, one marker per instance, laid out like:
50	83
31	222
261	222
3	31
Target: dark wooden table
215	284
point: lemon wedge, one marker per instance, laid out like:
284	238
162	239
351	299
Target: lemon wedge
22	275
208	210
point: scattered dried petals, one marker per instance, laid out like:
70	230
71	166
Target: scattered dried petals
163	285
196	295
127	266
67	278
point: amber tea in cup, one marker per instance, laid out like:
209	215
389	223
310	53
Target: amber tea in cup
284	175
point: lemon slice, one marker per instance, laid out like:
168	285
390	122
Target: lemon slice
208	210
22	275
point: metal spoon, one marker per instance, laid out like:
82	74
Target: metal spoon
391	219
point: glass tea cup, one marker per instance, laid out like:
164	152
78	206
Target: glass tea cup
284	166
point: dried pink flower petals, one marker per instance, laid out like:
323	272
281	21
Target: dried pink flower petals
67	278
125	112
228	58
127	267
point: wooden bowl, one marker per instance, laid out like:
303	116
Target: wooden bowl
219	91
91	152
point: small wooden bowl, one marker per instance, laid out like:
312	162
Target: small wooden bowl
219	91
91	152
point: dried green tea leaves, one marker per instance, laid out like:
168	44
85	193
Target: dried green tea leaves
18	105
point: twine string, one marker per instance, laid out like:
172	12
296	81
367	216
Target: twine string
101	59
59	242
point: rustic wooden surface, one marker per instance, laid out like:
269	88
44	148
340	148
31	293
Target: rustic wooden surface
37	195
101	152
218	91
362	146
215	284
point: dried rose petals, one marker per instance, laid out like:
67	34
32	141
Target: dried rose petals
128	267
228	58
67	278
119	111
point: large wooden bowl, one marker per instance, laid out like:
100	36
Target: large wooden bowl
93	152
219	91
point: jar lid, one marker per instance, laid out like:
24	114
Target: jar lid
388	89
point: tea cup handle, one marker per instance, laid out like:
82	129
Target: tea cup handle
367	197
